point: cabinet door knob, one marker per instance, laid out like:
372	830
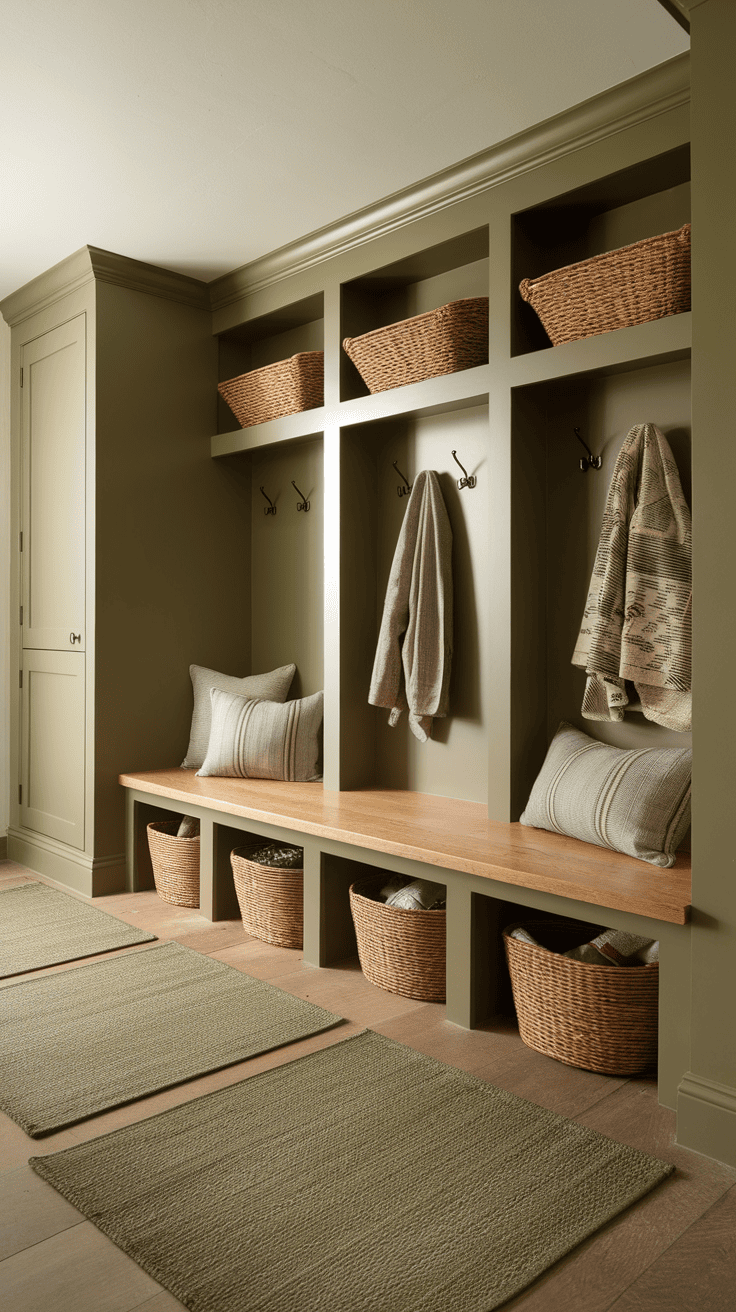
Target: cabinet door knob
75	637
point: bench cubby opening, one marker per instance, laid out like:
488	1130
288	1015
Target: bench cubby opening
557	513
454	761
287	551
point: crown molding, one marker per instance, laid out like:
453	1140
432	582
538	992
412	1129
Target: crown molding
679	10
93	264
640	99
149	278
41	292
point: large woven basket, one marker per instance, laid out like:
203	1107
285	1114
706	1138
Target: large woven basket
599	1018
175	863
284	388
647	280
400	951
271	899
442	341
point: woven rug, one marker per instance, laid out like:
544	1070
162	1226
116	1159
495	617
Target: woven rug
39	926
80	1041
364	1177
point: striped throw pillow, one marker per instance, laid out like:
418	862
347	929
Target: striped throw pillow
636	802
274	686
251	739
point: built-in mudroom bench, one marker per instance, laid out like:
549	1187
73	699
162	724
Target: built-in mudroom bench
492	871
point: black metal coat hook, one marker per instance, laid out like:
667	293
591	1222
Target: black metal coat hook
406	489
469	480
303	504
270	509
590	461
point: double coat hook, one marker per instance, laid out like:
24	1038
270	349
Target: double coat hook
590	461
270	509
404	490
469	480
303	504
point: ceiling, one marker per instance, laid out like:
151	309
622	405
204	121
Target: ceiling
200	134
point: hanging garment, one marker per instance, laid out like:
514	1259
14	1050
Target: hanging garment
637	620
411	670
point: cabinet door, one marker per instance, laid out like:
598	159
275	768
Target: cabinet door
52	745
53	405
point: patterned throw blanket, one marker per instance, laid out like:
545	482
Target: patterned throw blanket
637	620
412	665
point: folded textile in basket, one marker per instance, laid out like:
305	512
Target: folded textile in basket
419	895
613	947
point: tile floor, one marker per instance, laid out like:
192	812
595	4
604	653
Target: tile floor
673	1252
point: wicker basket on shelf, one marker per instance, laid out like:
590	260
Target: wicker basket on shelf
400	951
442	341
175	863
598	1018
271	899
647	280
284	388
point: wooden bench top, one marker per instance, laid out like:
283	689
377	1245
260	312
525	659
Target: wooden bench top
440	831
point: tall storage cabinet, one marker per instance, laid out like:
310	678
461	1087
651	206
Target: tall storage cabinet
52	616
133	549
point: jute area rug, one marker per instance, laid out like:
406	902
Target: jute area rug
93	1037
40	926
362	1178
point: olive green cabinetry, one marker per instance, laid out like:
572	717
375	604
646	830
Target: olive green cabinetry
130	549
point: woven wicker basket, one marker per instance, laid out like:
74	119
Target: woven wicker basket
400	951
648	280
443	341
271	899
175	863
599	1018
284	388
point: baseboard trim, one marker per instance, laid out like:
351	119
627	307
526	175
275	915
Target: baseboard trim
60	865
706	1117
4	847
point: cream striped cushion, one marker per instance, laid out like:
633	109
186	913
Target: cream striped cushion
637	802
274	686
252	739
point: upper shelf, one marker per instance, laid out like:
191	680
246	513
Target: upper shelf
656	342
433	396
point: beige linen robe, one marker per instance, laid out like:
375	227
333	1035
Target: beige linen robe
411	670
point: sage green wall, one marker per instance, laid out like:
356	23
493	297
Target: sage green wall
5	692
707	1103
287	563
172	539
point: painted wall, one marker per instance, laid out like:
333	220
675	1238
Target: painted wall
4	576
